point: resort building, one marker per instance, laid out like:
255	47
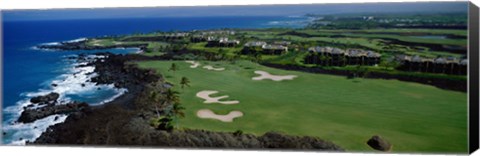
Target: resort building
274	49
329	56
221	42
449	65
264	47
255	44
283	43
362	57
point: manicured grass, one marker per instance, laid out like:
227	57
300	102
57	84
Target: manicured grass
102	42
413	117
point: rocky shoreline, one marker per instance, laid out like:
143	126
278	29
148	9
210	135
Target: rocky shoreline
126	120
31	115
47	105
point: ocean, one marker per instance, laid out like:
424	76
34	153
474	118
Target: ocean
29	72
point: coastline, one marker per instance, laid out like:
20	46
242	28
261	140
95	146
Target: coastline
125	120
320	81
110	71
55	99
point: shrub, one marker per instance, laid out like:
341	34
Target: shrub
238	133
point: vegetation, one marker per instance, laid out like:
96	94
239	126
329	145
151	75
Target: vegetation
177	112
173	68
184	82
348	111
413	117
155	99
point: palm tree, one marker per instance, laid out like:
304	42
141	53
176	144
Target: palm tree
155	98
174	109
165	123
177	111
184	82
171	96
173	68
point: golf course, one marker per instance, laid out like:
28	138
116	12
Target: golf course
411	116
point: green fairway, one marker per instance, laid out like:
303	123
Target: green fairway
413	117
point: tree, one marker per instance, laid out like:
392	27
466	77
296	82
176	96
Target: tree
390	63
177	112
175	109
257	57
173	68
171	96
384	64
165	123
393	64
184	82
155	98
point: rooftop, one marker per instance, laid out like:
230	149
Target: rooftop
438	60
255	44
274	47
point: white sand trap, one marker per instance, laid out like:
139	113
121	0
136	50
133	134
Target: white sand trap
206	95
209	114
194	64
266	75
213	68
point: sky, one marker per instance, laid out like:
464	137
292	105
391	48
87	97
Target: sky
252	10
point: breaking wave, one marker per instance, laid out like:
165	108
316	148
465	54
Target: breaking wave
73	85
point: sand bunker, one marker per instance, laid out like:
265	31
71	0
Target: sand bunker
206	95
209	114
266	75
194	64
213	68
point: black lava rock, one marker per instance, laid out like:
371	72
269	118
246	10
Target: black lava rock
379	143
31	115
46	98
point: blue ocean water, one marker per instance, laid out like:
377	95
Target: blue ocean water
30	72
